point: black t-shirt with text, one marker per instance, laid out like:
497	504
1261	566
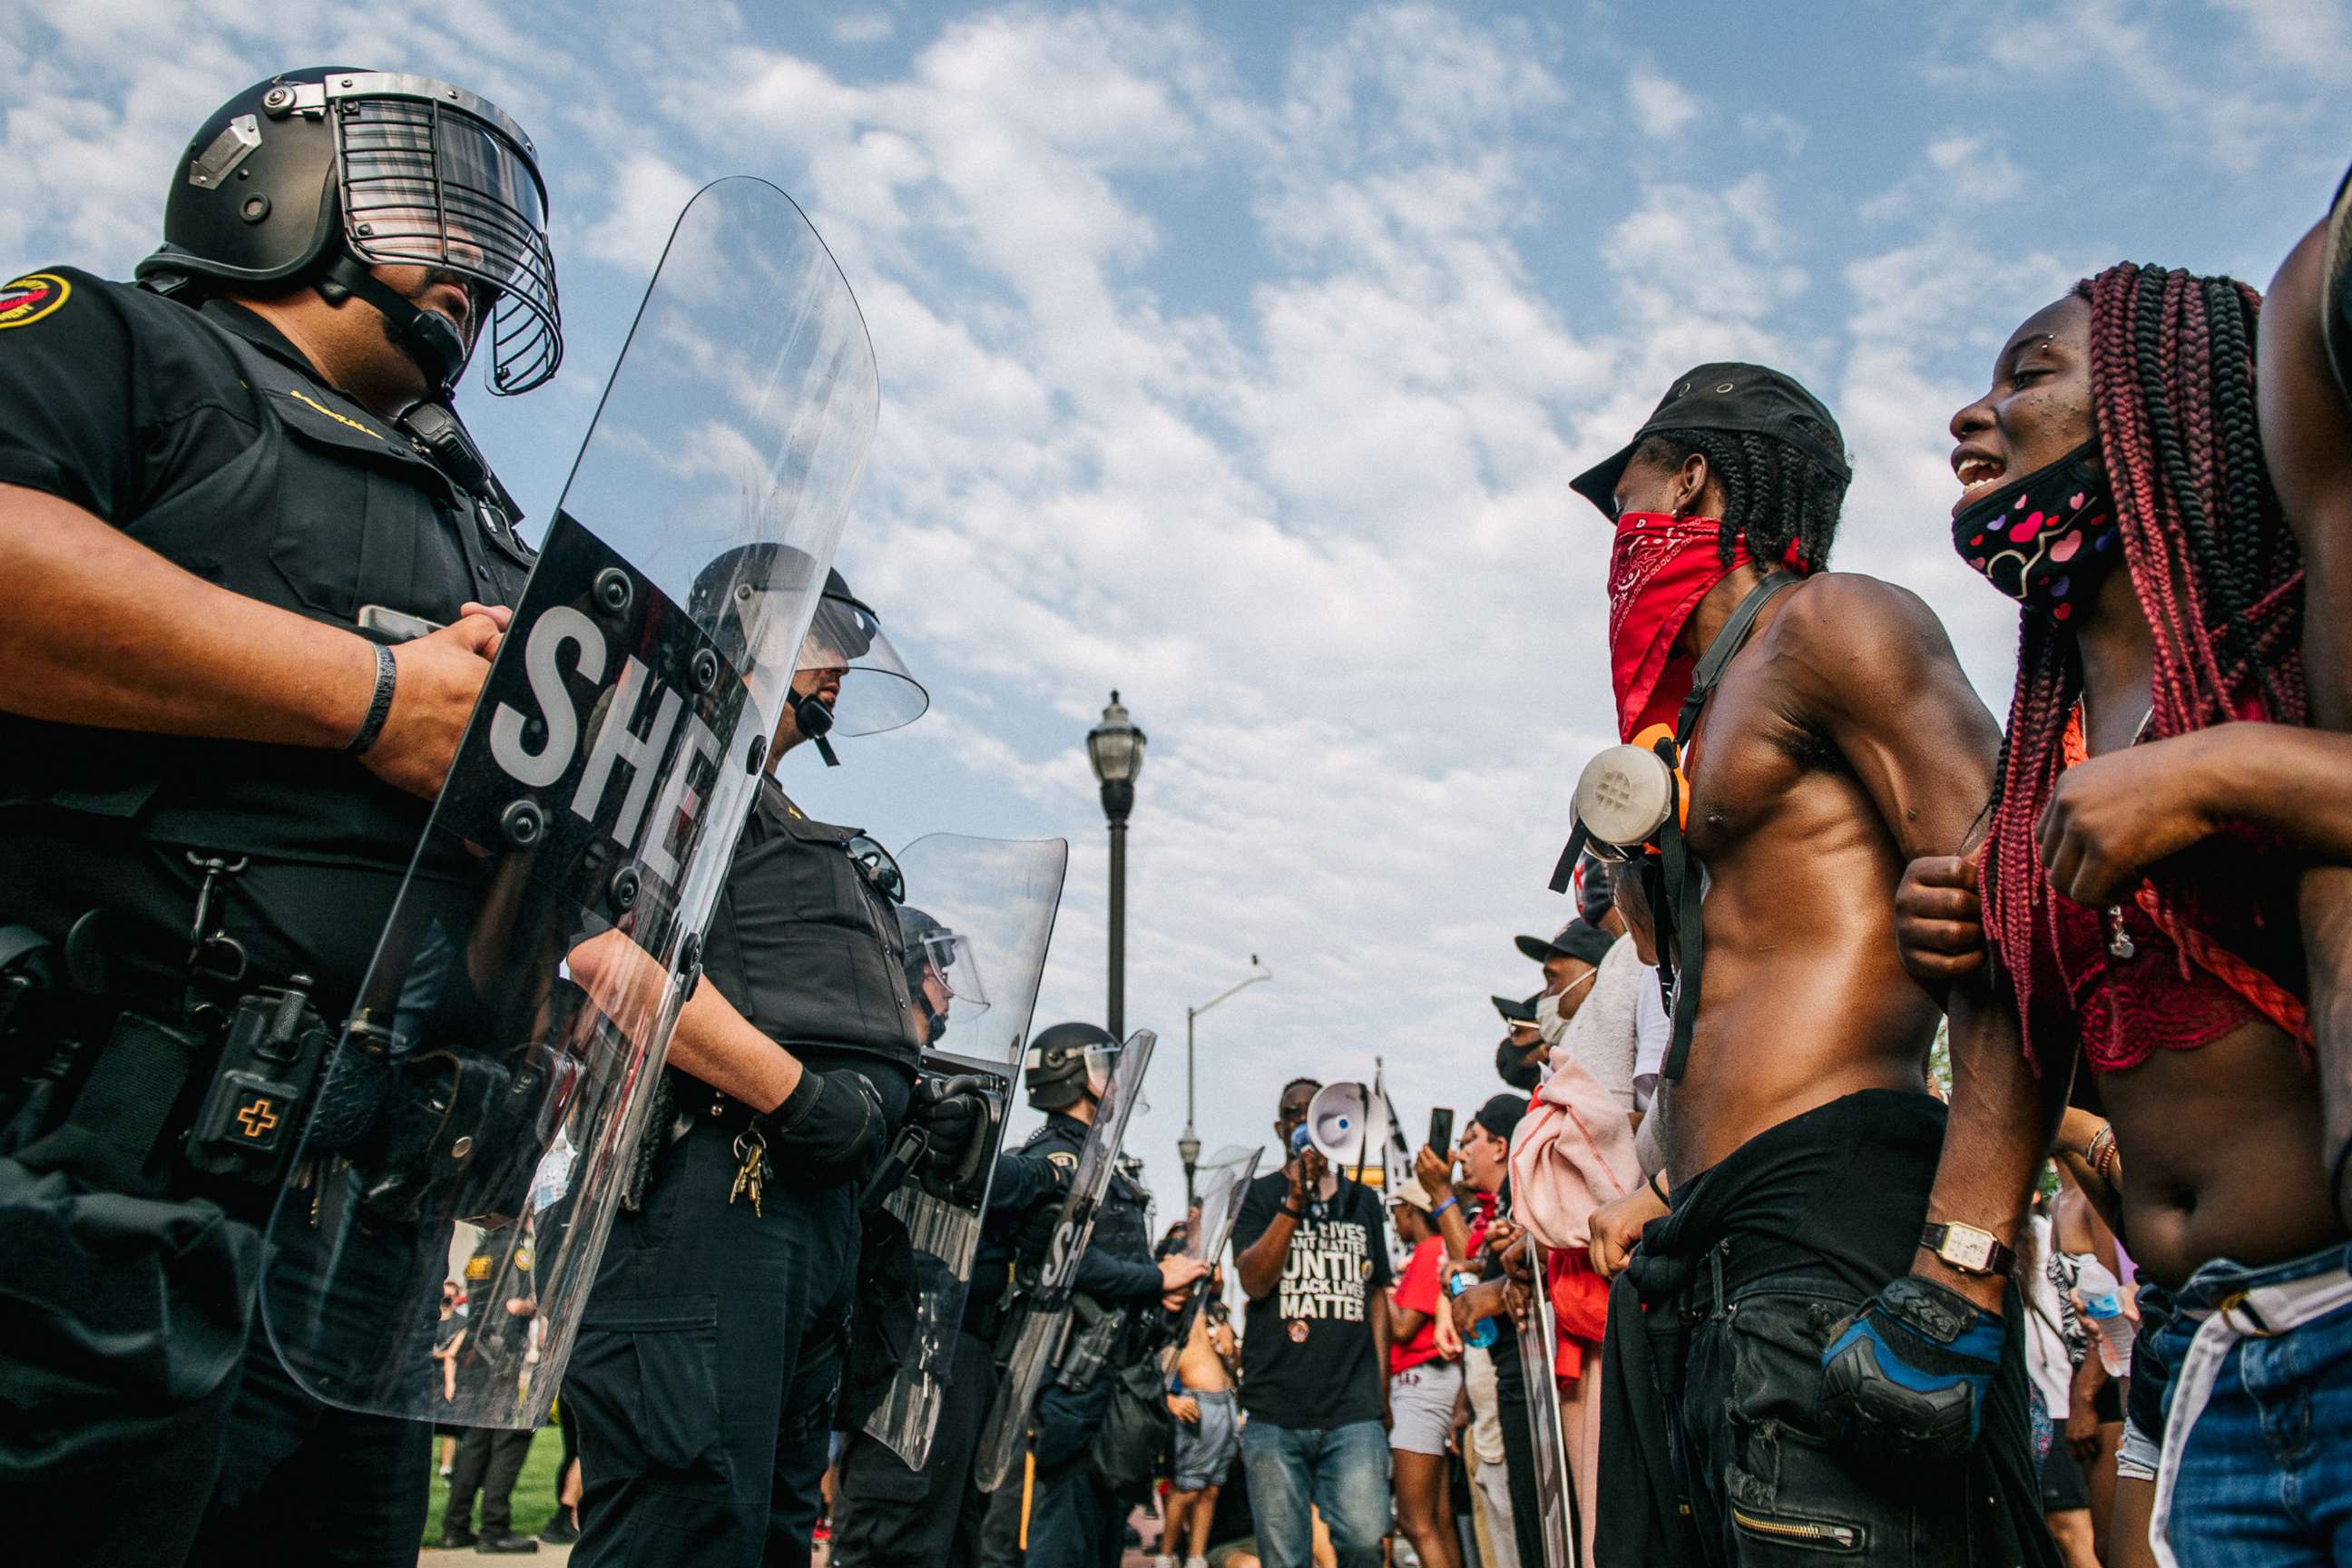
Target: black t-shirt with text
1307	1352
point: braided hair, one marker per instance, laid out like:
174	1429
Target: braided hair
1781	499
2212	563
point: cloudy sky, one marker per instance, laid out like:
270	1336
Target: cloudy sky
1238	356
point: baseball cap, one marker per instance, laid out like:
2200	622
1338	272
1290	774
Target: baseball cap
1726	396
1500	1116
1576	940
1518	1014
1411	1191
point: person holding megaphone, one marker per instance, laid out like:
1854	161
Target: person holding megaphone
1311	1251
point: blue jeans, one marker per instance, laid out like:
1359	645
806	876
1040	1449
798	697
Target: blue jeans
2266	1478
1341	1470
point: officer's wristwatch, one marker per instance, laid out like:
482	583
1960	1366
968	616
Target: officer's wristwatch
1968	1249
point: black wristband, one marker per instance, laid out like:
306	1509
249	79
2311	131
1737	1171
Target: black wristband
1285	1208
387	675
1656	1191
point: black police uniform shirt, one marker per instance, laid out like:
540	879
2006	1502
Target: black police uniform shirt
1024	1201
205	435
810	952
1307	1356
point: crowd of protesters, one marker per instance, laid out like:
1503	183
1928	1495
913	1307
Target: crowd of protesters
2080	1296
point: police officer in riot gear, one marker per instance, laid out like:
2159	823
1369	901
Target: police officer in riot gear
710	1350
226	492
1123	1301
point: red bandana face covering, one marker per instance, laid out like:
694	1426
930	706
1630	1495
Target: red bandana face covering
1660	567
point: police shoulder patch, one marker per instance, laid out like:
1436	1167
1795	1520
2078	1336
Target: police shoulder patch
24	301
1062	1157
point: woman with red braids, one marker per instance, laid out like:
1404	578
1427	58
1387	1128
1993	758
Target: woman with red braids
2156	806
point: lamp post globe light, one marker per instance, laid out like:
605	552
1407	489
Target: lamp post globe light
1115	747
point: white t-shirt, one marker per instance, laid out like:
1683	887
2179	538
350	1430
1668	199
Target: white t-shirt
1604	1036
1654	1030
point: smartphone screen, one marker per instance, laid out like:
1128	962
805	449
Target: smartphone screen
1440	1129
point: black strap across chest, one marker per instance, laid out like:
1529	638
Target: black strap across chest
1681	947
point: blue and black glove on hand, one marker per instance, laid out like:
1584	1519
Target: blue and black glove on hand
1908	1374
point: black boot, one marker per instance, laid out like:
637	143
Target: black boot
505	1541
455	1535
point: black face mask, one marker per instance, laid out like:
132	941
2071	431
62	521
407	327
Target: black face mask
1516	1068
2047	540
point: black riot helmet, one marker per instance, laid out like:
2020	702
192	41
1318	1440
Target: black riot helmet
1067	1062
316	175
731	600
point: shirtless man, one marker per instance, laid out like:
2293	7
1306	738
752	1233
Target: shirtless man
1841	740
1207	1434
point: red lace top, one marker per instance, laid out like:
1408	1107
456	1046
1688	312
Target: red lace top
2141	978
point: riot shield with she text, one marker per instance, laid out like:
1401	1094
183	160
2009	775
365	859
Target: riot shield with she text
1044	1317
493	1071
979	917
1224	1183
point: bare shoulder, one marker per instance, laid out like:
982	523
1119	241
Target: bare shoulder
1836	618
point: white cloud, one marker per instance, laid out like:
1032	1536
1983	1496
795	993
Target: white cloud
1662	107
1245	373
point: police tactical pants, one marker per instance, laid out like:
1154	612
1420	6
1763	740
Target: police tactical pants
305	1482
887	1516
489	1461
706	1364
1073	1521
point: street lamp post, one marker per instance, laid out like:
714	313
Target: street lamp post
1115	747
1188	1147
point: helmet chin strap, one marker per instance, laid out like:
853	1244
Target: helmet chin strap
430	340
814	718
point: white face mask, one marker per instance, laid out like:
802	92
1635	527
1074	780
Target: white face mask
1549	1023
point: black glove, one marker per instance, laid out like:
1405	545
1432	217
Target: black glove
954	1121
829	1130
1907	1375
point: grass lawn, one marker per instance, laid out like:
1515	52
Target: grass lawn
534	1494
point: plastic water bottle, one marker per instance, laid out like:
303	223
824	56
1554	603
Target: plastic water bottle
1483	1334
2104	1308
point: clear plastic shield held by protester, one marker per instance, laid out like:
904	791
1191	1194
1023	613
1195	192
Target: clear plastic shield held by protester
494	1070
1538	1340
1044	1313
978	919
1221	1183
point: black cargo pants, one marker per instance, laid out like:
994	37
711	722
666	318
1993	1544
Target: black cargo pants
707	1365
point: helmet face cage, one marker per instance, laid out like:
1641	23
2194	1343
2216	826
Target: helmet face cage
430	175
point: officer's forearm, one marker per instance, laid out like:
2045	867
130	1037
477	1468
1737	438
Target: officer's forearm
715	1043
100	630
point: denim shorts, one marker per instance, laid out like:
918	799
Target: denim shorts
1205	1452
2267	1473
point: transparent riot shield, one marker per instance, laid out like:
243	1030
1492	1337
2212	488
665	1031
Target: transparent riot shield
1538	1340
491	1076
1223	1183
1043	1318
978	919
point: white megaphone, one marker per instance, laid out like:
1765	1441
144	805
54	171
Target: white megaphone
1347	1125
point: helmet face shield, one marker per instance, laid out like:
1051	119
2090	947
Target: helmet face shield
948	955
878	691
1101	1062
430	175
